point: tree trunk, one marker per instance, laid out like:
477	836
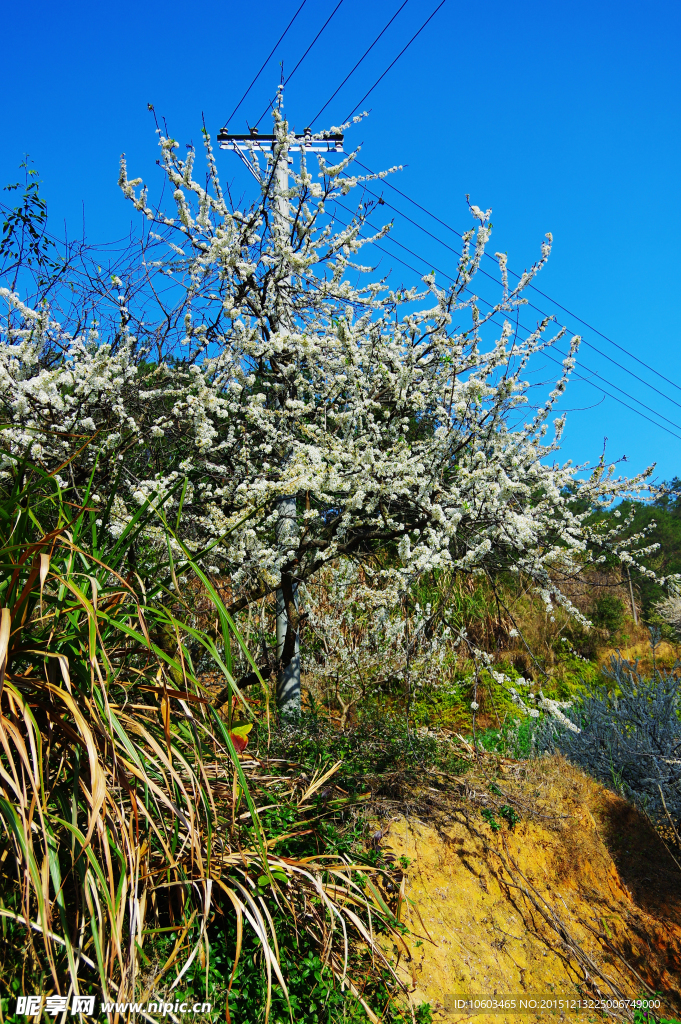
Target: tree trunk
288	649
288	643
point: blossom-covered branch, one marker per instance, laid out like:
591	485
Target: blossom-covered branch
269	362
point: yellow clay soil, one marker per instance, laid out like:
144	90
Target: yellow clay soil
581	893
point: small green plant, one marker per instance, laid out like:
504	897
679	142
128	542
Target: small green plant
488	815
422	1014
511	816
648	1017
645	1015
405	862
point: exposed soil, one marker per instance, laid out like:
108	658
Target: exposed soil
581	897
644	862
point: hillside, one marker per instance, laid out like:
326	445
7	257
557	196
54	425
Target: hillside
580	895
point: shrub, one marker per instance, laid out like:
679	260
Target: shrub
125	811
608	613
630	738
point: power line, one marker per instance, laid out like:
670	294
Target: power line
288	79
265	62
380	79
606	338
365	54
532	286
616	399
453	230
425	210
579	376
531	305
584	366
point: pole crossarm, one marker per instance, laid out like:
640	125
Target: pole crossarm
265	143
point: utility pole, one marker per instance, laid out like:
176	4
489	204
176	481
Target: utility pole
288	653
631	594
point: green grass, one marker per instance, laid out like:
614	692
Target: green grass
377	751
649	1017
129	834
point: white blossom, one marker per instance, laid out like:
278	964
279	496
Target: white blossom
297	380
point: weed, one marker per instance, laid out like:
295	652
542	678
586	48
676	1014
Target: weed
644	1015
509	815
649	1017
378	755
488	815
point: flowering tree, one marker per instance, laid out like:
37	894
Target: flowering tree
358	642
246	361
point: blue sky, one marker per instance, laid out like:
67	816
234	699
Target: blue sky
561	117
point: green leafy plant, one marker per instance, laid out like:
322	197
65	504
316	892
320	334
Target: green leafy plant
489	817
642	1016
125	809
511	816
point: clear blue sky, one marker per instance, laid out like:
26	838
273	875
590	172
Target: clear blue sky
561	117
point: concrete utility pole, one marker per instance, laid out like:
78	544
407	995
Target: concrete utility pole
288	638
288	678
631	593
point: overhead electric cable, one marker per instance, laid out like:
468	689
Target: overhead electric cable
585	323
289	77
454	231
404	50
487	303
615	398
514	274
265	63
544	351
530	305
365	54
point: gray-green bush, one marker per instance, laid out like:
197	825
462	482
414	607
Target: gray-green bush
630	737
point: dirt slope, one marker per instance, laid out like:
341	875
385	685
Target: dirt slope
580	896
